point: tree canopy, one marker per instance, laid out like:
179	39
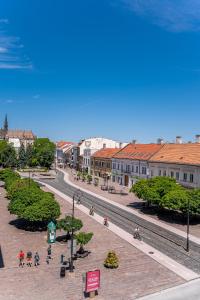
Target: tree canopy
27	200
67	224
165	192
43	152
8	157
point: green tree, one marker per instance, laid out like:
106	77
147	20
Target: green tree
68	223
29	155
45	210
22	158
175	200
8	156
43	152
83	238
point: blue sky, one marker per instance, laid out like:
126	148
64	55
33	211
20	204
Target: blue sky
124	69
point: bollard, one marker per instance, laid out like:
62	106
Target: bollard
62	272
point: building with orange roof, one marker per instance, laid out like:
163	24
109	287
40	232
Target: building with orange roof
63	153
131	162
179	161
101	162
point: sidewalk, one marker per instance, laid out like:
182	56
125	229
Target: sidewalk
131	210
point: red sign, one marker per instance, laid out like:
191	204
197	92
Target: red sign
92	281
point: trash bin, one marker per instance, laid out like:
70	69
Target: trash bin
62	272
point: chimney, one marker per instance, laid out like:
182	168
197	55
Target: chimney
160	141
179	140
197	136
134	141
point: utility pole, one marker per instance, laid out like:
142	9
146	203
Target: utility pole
188	226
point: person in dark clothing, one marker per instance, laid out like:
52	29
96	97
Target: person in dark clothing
49	251
36	259
29	258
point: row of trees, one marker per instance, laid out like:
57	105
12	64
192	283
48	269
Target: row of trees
165	192
41	153
27	201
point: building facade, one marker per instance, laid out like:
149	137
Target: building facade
63	153
101	162
19	137
132	162
179	161
89	146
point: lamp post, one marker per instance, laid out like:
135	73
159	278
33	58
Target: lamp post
77	194
188	226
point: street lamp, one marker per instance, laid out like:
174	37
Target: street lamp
188	226
77	194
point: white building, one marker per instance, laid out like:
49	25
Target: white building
19	137
89	146
132	162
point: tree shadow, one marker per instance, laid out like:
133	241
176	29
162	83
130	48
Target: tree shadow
63	238
168	216
29	226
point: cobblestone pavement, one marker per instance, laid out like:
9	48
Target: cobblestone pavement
131	199
137	275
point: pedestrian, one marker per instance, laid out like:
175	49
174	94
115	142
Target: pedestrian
47	260
21	258
36	259
29	258
49	251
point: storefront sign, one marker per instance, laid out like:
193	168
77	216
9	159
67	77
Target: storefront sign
92	281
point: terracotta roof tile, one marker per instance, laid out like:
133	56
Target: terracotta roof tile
106	153
138	151
179	154
21	134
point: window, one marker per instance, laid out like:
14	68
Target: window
128	168
144	170
114	166
164	173
177	175
191	178
118	166
151	173
133	168
172	174
122	167
185	177
136	169
113	178
159	173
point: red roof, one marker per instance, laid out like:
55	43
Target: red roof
138	151
179	154
106	153
63	144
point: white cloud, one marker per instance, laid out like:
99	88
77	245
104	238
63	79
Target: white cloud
4	21
173	15
37	96
9	101
11	51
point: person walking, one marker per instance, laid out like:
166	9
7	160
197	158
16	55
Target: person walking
137	233
29	258
21	258
36	259
49	251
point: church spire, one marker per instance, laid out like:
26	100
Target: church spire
5	124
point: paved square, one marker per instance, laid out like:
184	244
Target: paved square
136	276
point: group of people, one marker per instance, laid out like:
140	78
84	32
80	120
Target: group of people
29	259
